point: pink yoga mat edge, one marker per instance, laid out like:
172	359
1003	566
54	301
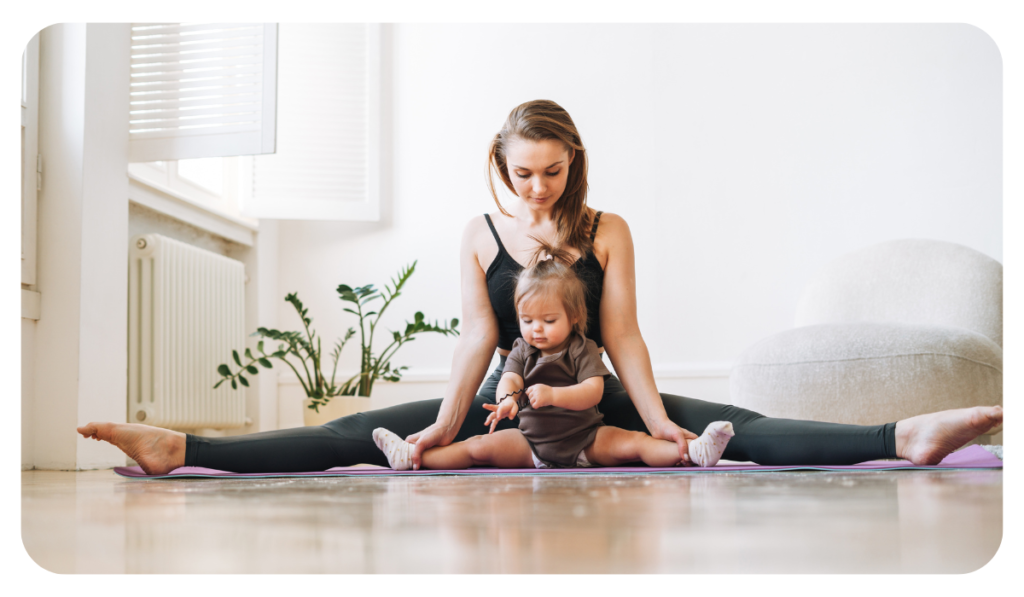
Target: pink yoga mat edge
972	457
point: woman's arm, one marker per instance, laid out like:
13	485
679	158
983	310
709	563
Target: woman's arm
477	343
621	332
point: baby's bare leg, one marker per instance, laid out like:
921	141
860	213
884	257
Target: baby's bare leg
614	446
501	449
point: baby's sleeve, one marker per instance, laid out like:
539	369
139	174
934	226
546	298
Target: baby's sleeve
515	362
589	363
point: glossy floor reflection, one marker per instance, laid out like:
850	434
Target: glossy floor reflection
872	522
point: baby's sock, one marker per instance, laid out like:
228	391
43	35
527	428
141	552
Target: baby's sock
398	451
707	449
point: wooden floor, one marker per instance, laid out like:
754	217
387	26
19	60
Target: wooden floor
878	522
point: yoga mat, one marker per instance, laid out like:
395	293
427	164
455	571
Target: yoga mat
972	457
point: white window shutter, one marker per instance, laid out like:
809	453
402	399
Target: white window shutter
327	160
202	90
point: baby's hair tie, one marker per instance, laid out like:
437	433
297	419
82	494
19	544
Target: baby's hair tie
510	395
546	257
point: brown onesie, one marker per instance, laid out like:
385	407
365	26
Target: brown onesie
557	435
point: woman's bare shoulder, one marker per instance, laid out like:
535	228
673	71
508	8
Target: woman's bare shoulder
474	228
478	242
611	224
612	237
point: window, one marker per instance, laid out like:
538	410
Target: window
326	166
202	90
325	163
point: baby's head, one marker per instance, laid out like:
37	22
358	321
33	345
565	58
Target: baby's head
550	299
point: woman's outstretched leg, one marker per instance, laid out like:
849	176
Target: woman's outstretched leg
926	439
342	442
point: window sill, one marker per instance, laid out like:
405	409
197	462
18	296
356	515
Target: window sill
179	207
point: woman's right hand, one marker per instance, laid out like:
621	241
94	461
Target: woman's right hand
435	435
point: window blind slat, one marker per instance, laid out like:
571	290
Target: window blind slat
184	132
190	103
212	75
247	55
141	96
228	83
187	31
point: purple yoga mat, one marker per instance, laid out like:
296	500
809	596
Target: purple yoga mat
970	457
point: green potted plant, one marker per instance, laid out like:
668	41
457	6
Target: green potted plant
305	349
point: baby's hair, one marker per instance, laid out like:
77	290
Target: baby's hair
550	274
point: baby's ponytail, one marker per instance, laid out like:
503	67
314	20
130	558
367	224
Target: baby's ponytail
550	271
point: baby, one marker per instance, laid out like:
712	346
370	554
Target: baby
553	380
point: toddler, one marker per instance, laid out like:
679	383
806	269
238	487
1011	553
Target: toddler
553	380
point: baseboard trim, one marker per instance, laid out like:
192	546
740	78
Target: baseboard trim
692	369
685	370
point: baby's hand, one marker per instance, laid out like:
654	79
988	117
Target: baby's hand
506	409
540	395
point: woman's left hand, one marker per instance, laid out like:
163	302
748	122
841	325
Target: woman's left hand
667	430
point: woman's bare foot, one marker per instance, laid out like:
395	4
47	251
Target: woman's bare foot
927	439
158	451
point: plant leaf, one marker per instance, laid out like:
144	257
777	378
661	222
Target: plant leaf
245	382
234	386
248	355
224	370
259	346
266	363
216	385
238	361
252	370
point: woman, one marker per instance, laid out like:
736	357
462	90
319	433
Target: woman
539	156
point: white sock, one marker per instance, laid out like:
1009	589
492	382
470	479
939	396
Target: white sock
707	449
398	451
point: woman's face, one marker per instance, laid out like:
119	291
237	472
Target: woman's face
543	321
538	170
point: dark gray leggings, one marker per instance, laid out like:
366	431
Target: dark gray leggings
348	440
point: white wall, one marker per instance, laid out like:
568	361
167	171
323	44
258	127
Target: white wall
743	157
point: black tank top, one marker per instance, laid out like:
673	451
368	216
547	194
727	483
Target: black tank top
501	280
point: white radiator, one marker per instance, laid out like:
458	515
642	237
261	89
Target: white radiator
186	313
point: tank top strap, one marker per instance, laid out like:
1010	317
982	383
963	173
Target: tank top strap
593	231
497	239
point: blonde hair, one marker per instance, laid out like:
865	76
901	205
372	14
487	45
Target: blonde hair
551	274
540	120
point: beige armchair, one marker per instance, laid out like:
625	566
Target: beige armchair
891	331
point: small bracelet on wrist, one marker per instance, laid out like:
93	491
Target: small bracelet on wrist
510	395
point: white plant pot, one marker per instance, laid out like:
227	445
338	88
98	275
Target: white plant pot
336	407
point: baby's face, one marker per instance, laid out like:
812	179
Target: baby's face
544	323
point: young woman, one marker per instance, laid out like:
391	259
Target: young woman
539	155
